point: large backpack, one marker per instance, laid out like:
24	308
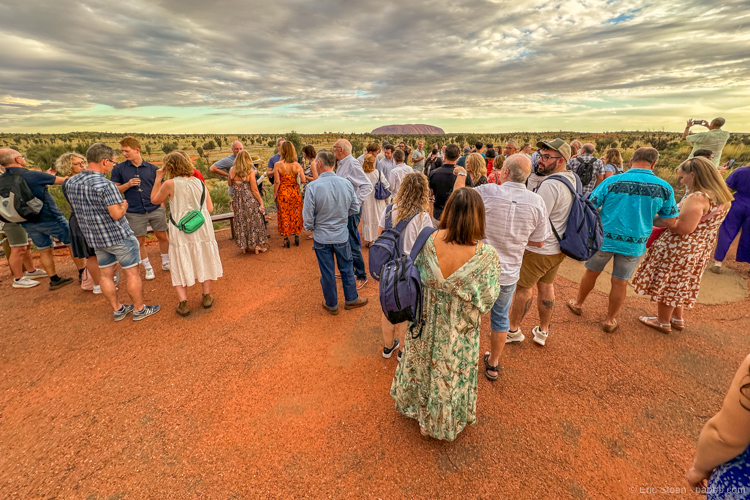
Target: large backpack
388	245
401	288
17	202
585	170
584	233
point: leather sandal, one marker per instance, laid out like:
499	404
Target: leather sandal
678	324
653	322
488	367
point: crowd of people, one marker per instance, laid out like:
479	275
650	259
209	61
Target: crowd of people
494	220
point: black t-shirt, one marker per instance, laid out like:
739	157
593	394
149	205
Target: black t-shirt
441	184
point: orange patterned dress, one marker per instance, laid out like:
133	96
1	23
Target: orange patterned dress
672	268
289	205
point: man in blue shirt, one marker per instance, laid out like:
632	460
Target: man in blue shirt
135	179
628	204
386	164
51	221
329	203
274	159
222	166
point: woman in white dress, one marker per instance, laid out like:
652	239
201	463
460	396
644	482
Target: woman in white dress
194	256
372	209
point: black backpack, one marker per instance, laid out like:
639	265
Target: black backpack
585	170
17	202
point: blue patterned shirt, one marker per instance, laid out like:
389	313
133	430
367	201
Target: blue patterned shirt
90	194
628	204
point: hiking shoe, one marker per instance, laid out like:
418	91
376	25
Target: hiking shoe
124	310
516	336
36	273
182	308
398	356
54	285
150	274
165	267
540	337
24	282
146	312
208	300
357	303
388	351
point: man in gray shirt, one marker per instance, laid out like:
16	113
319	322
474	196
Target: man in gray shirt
329	204
350	169
222	166
418	157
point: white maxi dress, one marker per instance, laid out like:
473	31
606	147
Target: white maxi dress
372	209
195	256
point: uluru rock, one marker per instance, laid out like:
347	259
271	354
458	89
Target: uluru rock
419	129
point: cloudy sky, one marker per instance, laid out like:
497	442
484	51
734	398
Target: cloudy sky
230	66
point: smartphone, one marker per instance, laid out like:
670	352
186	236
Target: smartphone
731	163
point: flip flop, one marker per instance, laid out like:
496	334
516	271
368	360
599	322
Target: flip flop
488	366
610	328
653	322
573	308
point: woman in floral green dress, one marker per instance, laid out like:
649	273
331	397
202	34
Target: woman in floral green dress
436	381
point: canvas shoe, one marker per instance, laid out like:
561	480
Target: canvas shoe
146	312
150	274
539	336
124	310
516	336
24	282
388	351
165	267
36	273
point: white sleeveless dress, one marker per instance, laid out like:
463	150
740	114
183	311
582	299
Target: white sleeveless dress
195	256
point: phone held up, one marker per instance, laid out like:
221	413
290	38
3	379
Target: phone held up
730	163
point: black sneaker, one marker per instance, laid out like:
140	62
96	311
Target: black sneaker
54	285
388	351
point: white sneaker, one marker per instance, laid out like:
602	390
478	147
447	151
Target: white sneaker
150	274
36	273
165	267
24	282
97	290
539	336
514	337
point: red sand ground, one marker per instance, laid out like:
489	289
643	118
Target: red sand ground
266	395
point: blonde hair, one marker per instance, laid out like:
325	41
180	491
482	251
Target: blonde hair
243	164
707	179
613	157
413	197
64	164
476	166
368	165
287	152
178	164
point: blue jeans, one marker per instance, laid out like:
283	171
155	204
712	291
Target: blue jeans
356	246
499	320
343	252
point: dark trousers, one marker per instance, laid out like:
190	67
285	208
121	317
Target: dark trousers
356	246
343	253
737	218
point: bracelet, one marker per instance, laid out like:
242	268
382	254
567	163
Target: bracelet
462	174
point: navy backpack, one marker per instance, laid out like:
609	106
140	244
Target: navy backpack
401	287
584	233
388	245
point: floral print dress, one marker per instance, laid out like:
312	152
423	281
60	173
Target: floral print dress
436	381
672	268
289	205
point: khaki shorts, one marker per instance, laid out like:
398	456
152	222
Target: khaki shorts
539	268
139	222
16	234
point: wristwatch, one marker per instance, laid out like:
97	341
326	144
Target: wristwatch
461	173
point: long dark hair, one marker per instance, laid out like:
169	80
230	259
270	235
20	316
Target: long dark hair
463	217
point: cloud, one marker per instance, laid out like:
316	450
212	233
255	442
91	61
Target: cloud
238	66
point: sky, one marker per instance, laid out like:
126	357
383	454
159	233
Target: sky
231	66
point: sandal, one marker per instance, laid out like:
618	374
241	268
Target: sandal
678	324
423	433
574	308
296	240
610	328
488	368
653	322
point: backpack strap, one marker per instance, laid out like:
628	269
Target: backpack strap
424	235
576	192
388	217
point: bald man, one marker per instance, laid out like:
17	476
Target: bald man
350	169
713	140
515	217
222	166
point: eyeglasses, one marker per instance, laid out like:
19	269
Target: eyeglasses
20	156
111	161
337	147
547	157
78	164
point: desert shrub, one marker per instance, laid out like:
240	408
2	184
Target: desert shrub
219	195
44	157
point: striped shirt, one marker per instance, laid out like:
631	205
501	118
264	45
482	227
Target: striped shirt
514	216
91	194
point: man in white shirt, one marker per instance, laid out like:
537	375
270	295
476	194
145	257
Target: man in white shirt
400	171
540	265
515	217
386	164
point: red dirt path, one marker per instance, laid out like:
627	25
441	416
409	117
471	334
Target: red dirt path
265	395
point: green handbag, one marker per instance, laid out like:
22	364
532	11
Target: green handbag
193	220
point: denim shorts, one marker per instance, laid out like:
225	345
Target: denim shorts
127	253
41	233
623	266
499	319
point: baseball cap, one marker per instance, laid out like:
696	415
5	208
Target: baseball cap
467	149
558	145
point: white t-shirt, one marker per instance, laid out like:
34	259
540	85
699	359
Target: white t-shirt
558	199
397	175
514	216
412	229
